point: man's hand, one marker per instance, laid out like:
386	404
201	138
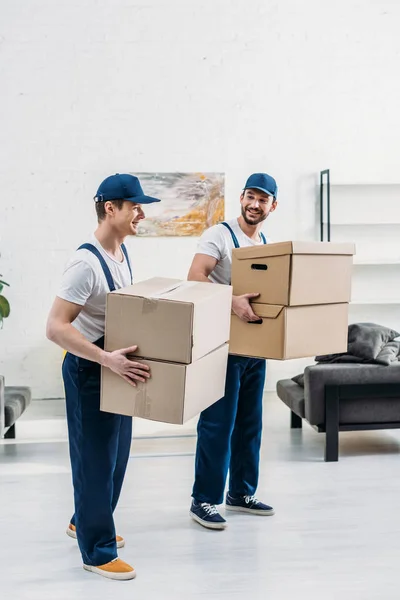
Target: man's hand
242	308
129	370
61	331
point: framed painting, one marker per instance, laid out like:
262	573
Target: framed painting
190	203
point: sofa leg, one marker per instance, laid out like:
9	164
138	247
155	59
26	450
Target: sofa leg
296	422
10	433
332	423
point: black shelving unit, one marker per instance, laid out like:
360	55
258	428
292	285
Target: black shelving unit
325	199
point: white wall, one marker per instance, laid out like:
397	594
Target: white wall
92	87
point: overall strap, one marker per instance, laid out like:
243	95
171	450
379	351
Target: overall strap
125	251
234	238
106	270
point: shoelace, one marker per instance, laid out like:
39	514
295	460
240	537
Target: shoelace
209	508
251	500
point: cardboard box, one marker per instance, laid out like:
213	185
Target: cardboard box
294	273
168	319
291	331
174	394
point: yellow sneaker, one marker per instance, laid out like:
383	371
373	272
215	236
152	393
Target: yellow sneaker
116	569
71	531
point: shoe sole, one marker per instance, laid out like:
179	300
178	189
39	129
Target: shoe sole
72	534
206	524
250	511
110	575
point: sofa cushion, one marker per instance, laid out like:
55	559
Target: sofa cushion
378	410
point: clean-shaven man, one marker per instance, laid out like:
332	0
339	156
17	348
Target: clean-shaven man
99	442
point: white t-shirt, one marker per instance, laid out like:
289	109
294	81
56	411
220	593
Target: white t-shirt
84	283
217	242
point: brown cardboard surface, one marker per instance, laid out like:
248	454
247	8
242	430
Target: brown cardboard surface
294	273
171	320
283	248
175	392
146	288
291	331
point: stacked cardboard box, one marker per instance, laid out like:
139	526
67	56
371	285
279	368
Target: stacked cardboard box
181	329
305	290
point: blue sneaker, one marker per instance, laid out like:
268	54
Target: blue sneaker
207	515
248	504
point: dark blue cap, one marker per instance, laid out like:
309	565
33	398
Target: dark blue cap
263	182
123	187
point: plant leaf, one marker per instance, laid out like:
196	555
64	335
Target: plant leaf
4	307
2	284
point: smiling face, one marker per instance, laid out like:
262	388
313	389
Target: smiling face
127	219
122	216
256	206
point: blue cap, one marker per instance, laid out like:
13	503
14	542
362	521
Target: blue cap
123	187
263	182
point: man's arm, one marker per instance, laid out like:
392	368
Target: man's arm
61	331
202	266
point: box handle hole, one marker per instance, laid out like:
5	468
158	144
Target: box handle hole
257	267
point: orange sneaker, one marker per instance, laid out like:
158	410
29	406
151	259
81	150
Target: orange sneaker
116	569
71	531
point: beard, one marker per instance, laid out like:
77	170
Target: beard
253	219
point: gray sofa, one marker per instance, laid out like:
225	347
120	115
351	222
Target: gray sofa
344	397
14	400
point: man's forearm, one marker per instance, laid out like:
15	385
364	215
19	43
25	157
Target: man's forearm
70	339
198	276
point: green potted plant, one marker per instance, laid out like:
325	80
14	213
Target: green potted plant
4	304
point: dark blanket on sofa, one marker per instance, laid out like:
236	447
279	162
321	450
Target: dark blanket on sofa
368	343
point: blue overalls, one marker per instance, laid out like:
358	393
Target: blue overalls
99	445
229	431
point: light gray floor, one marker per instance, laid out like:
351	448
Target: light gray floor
336	532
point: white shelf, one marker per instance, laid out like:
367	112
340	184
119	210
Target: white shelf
365	204
375	302
377	186
368	214
373	262
348	223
